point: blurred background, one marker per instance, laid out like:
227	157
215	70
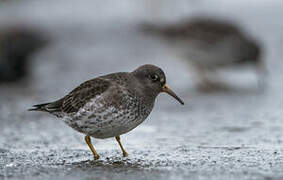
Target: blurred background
230	127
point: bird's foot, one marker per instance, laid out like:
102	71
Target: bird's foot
96	157
125	154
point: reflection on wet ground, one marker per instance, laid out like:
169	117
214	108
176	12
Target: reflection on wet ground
236	133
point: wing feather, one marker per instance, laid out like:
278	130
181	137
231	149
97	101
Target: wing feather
83	93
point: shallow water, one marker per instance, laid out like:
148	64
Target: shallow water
232	134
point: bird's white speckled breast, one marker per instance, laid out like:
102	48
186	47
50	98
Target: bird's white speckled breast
110	114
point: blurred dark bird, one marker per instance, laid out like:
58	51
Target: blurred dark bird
17	44
110	105
211	44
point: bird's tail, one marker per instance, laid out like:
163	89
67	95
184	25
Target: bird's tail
39	107
47	107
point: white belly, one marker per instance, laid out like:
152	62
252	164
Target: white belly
100	121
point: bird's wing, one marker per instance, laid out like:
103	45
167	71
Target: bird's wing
83	93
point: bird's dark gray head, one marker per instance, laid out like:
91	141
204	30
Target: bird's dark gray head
153	80
249	52
151	76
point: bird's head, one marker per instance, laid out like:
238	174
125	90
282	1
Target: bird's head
153	80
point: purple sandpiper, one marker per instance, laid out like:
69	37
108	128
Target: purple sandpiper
110	105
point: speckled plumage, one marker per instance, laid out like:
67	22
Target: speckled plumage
110	105
103	107
114	112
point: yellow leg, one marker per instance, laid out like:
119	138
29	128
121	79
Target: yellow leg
88	141
125	154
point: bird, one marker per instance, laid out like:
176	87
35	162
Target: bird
17	44
211	44
110	105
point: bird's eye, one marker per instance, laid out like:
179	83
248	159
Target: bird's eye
154	77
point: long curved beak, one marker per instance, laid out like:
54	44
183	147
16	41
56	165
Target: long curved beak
166	89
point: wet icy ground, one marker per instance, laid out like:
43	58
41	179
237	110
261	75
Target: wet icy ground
236	134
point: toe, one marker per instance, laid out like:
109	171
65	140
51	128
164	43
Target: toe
96	157
125	154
